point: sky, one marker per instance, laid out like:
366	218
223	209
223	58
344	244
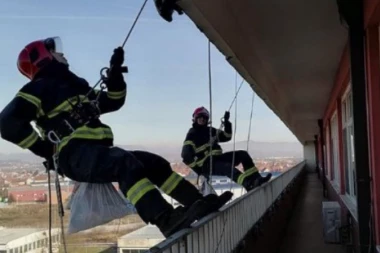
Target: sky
168	68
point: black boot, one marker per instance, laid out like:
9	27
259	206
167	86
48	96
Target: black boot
174	220
215	202
186	194
255	180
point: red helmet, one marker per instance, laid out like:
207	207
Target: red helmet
200	111
37	55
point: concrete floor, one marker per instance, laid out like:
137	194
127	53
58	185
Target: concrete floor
305	230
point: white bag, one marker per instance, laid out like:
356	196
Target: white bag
92	205
206	188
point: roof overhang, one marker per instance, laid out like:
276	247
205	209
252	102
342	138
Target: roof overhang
288	51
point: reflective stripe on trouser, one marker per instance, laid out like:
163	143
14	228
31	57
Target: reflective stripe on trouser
171	183
181	190
139	189
148	201
246	174
159	172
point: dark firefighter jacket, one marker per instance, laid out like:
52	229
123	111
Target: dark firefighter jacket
47	99
196	147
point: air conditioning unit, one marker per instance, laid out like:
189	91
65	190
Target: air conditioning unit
331	212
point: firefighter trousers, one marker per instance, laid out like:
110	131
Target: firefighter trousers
137	172
222	165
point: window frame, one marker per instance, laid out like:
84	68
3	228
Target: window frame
335	151
348	145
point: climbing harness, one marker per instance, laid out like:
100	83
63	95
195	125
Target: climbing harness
82	114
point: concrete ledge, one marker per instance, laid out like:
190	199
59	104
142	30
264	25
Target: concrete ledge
267	234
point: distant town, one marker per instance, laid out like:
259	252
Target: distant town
27	182
24	198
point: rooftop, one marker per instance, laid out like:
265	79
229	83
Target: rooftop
144	237
9	234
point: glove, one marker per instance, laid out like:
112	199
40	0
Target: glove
117	59
116	62
226	116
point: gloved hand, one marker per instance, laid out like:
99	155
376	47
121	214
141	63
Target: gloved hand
117	59
226	116
116	69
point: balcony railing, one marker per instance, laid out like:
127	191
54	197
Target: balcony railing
221	232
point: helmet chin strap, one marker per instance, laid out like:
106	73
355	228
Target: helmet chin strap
60	58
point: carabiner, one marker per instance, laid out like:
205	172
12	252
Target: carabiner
56	140
103	75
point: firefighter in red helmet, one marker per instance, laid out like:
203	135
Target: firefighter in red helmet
60	102
196	152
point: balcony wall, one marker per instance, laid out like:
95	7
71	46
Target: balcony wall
254	221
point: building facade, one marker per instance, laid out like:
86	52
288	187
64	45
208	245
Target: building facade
335	145
31	240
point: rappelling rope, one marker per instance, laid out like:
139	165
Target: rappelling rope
250	121
236	92
56	141
234	134
211	141
122	45
233	154
210	99
249	130
50	212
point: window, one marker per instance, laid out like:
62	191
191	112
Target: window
326	150
348	144
335	149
